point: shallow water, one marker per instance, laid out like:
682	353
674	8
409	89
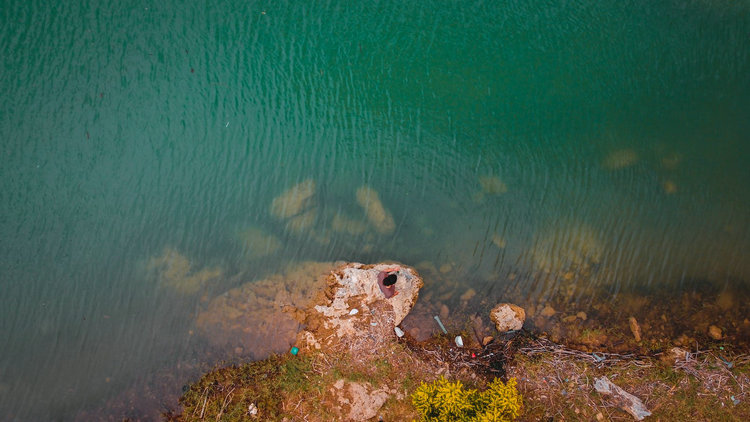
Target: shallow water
501	137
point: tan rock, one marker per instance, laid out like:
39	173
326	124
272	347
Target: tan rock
670	187
303	222
263	316
635	328
547	311
715	332
362	399
355	285
507	317
725	300
620	159
380	218
294	200
569	319
468	295
498	241
175	272
344	224
492	185
257	243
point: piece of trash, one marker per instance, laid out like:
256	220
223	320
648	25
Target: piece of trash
294	351
354	311
459	341
374	324
442	327
252	410
597	357
227	125
726	362
623	399
735	401
399	332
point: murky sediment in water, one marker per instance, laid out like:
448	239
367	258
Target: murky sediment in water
157	158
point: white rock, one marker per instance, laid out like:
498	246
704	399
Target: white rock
625	400
507	317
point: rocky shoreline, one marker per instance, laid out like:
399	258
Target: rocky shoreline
359	355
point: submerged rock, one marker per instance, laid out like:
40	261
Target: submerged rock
175	272
620	159
294	201
508	317
257	243
574	247
344	224
635	328
715	332
264	316
492	185
380	218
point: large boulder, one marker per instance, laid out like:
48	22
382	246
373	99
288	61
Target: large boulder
354	313
507	317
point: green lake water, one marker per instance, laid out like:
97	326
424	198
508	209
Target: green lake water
502	136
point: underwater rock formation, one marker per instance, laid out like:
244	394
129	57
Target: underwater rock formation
492	185
380	218
294	201
257	243
620	159
263	317
174	271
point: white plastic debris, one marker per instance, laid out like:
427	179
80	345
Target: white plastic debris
459	341
623	399
354	311
399	332
440	323
252	410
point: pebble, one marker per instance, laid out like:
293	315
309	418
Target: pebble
635	328
715	332
548	311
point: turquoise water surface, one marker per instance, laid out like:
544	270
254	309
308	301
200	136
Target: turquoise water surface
500	136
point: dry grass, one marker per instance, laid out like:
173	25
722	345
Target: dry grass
557	382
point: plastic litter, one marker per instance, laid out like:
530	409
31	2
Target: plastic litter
624	400
459	341
252	410
726	362
399	332
442	327
294	351
354	311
